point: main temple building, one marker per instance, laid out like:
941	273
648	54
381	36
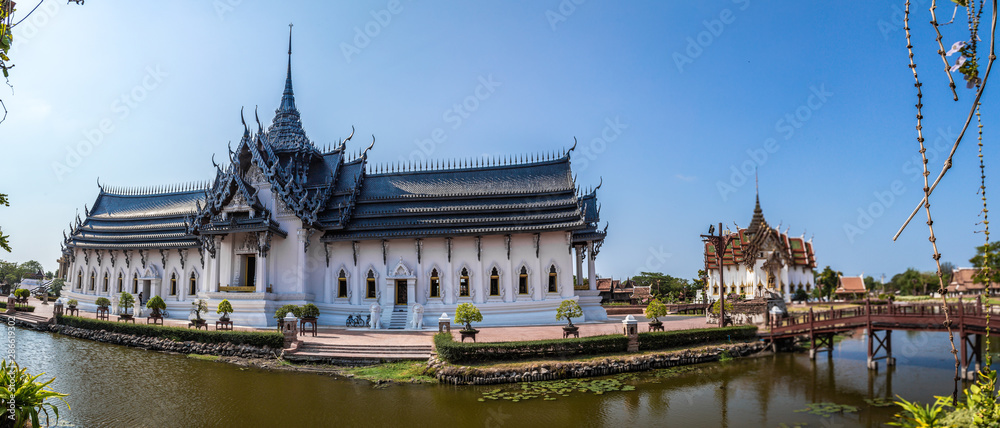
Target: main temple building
287	222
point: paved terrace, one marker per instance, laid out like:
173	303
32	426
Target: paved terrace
364	343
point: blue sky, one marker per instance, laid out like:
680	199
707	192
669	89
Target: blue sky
670	101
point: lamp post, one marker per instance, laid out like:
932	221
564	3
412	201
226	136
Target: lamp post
720	242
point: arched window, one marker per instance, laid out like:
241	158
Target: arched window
79	279
92	280
342	284
370	292
463	283
522	281
135	283
494	282
553	280
173	284
435	284
193	285
104	285
120	282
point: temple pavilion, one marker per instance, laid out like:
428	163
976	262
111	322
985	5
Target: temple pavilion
761	259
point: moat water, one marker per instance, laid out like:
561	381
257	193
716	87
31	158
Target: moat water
116	386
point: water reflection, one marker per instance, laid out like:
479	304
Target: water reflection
118	386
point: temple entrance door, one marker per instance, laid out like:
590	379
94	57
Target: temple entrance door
400	291
251	271
147	290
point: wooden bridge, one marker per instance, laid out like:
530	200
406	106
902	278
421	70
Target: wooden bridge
968	320
686	308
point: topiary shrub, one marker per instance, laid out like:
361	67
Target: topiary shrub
655	310
22	293
467	313
103	302
72	303
157	304
284	310
568	310
310	310
125	302
225	308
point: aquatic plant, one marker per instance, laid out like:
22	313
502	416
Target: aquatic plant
31	397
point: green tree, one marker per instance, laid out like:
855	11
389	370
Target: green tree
827	282
568	310
988	263
467	313
871	284
57	286
800	295
912	282
225	308
655	310
125	302
662	285
157	304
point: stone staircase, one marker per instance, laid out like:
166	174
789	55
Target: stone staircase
353	354
399	318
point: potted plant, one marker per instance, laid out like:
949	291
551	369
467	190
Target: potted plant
568	310
103	303
225	308
198	307
157	305
284	310
71	303
654	311
309	312
22	295
467	313
126	302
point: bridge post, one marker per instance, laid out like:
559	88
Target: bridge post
889	360
812	337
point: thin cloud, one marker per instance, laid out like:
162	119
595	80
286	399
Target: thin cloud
688	178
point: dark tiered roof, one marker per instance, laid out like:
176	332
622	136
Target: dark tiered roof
338	193
123	219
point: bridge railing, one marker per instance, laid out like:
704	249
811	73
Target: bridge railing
808	320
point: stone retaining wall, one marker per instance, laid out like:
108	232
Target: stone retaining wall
463	375
165	345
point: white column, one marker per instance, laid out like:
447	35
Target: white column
579	266
300	257
590	265
260	277
328	294
359	280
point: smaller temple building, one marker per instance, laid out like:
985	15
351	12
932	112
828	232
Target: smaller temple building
761	258
851	287
963	282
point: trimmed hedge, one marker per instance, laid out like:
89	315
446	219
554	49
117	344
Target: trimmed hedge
652	341
464	352
269	339
471	352
20	308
